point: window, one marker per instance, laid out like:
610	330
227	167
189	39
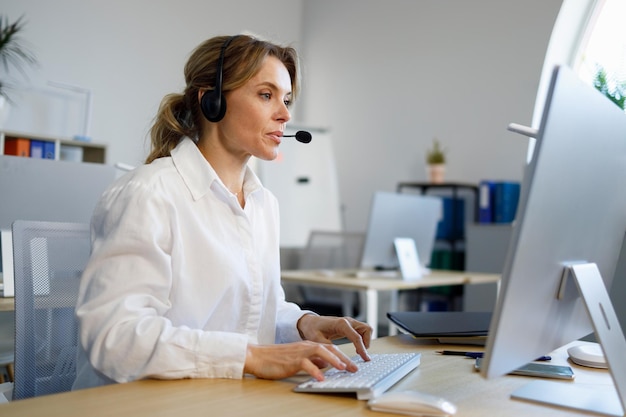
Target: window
586	34
601	59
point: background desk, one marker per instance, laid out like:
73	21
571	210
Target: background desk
373	285
370	285
452	377
7	304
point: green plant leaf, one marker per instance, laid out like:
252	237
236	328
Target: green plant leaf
436	155
13	52
616	92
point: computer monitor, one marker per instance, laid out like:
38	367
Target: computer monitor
396	215
569	230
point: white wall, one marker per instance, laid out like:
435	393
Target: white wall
388	76
132	53
384	76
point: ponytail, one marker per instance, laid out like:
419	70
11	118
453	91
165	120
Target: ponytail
172	122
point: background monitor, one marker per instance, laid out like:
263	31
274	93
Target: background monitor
395	215
572	210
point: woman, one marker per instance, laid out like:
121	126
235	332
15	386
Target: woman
184	277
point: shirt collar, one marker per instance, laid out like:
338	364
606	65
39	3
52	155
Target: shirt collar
199	175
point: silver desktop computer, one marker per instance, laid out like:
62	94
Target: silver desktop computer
565	246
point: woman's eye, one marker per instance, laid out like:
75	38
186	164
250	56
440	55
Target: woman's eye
287	102
266	96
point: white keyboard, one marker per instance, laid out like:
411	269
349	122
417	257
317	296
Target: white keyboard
373	377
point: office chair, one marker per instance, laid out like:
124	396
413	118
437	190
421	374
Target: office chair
332	250
49	258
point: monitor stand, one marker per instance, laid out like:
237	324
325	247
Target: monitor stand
606	400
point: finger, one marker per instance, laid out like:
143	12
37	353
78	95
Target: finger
366	334
312	369
364	329
350	365
361	350
336	358
320	363
357	338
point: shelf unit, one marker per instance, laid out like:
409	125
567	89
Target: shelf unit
87	151
455	191
446	297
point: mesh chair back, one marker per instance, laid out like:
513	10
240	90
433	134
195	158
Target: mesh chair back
49	258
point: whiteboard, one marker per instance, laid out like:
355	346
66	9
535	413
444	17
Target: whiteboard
304	179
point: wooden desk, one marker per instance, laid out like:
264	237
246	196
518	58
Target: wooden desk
372	285
451	377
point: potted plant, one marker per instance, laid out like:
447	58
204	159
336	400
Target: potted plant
13	55
436	163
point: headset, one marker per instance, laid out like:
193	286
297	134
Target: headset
213	103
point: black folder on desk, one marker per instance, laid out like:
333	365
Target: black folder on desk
442	324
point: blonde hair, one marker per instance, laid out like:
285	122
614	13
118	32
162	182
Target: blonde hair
180	115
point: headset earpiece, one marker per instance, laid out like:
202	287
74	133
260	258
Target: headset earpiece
213	103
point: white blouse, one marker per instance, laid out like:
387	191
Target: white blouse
181	278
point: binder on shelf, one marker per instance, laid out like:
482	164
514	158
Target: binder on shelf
452	224
48	150
36	148
486	191
447	259
441	259
17	147
498	201
506	197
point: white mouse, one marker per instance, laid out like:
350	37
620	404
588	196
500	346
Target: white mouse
588	355
413	403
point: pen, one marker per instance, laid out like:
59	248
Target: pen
474	355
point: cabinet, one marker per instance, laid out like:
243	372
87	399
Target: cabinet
52	147
460	208
487	247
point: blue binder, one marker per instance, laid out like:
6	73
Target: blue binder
506	197
36	148
486	191
48	150
452	224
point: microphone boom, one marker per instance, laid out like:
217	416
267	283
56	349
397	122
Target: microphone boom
301	136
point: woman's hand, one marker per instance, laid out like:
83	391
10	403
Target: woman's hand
325	329
315	353
284	360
